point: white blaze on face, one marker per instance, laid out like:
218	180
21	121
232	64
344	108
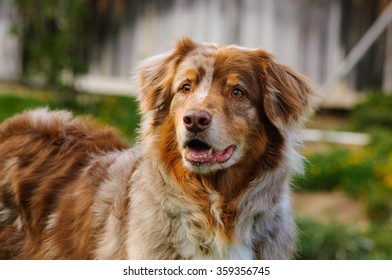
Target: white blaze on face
198	67
205	85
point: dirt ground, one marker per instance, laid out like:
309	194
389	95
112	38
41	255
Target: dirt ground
330	207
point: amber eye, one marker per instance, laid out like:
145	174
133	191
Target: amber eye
237	93
186	88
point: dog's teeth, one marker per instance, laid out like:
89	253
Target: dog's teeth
210	151
187	148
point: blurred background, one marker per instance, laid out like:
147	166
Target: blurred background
78	55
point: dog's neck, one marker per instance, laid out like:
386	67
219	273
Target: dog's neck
231	183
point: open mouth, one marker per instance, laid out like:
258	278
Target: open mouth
198	153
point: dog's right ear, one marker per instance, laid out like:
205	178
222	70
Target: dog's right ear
155	76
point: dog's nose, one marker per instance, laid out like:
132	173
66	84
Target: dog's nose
197	120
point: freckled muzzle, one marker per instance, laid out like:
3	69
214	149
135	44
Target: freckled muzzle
197	150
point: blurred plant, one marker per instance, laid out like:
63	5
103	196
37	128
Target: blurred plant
364	173
337	169
373	113
381	238
331	242
54	39
121	112
118	111
11	104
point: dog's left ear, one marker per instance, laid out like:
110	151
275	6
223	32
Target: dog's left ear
288	96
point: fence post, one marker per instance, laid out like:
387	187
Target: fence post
10	59
360	49
387	79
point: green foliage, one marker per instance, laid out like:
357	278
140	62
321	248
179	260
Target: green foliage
363	173
336	241
55	37
120	112
336	169
11	104
55	45
378	202
382	242
331	242
381	140
373	113
342	169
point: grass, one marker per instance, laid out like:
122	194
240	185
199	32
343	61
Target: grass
121	112
336	241
331	241
374	112
118	111
11	105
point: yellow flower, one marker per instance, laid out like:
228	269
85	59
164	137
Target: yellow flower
388	180
355	159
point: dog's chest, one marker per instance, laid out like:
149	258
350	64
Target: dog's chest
218	249
216	244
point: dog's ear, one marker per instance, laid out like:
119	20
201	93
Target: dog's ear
288	96
155	76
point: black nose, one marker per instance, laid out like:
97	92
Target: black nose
197	120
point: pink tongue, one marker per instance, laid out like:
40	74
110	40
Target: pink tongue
195	156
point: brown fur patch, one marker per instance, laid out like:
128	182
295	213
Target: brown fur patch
48	158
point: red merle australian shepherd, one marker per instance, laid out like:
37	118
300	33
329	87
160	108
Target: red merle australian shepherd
208	179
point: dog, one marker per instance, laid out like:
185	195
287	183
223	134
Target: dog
208	177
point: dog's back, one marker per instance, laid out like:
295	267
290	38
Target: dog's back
49	161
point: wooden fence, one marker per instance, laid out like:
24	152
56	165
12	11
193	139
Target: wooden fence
304	34
313	36
9	46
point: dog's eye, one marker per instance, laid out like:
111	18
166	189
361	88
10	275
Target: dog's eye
237	93
186	88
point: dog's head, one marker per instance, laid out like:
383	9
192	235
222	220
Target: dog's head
220	106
